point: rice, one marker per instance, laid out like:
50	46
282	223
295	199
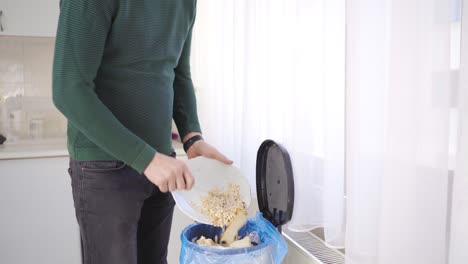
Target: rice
222	206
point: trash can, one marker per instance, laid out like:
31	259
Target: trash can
275	194
271	249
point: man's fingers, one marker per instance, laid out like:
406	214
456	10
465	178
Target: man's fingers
180	183
189	180
218	156
163	187
171	184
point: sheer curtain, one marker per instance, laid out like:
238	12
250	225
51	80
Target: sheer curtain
459	230
403	205
274	69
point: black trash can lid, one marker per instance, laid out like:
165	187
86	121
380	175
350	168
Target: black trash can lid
275	183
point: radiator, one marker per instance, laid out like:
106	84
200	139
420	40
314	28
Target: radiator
314	247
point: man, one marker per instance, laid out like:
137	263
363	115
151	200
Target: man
121	73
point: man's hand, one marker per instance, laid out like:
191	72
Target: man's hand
169	174
201	148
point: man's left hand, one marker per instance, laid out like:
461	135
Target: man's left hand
201	148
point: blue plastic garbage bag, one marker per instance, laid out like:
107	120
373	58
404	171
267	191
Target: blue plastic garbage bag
271	250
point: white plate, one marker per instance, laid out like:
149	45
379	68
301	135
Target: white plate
209	174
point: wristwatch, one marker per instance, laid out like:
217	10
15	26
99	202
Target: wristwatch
191	141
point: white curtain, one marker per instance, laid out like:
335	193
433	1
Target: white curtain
274	69
405	204
459	227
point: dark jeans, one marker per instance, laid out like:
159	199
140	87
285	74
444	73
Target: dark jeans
123	217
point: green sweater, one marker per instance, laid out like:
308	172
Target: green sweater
121	74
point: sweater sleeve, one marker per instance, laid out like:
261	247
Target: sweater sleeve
81	37
185	105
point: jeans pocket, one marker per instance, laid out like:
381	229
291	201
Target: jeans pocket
108	175
102	166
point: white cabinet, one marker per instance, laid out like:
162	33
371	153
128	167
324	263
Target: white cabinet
29	17
37	217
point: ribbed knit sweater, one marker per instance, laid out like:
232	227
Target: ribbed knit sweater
121	74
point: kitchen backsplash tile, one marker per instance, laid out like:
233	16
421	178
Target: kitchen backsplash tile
38	62
27	61
27	114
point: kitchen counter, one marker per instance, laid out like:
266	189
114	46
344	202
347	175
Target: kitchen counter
51	149
27	151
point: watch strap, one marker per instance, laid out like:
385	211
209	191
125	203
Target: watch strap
191	141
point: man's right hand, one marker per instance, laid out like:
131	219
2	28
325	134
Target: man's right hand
169	174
